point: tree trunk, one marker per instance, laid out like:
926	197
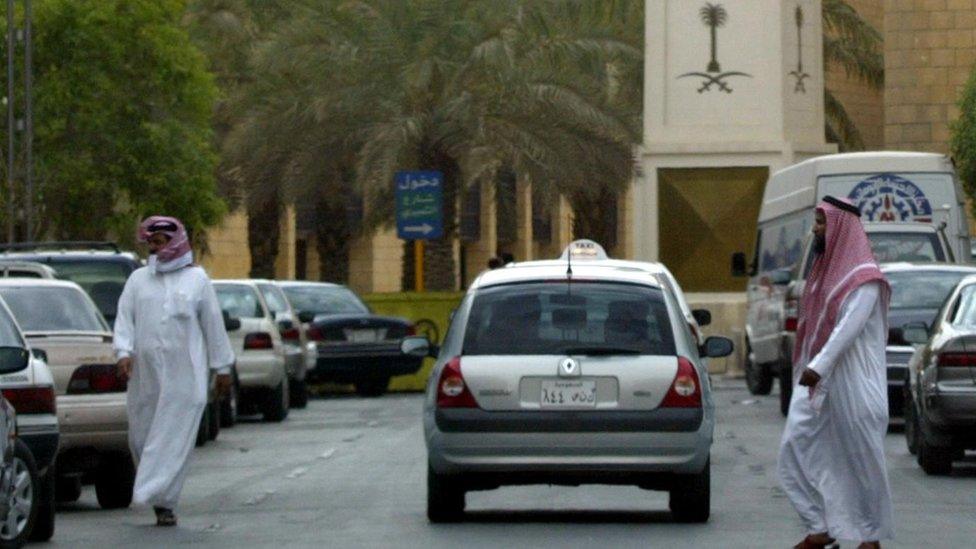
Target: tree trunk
440	269
263	231
333	235
596	218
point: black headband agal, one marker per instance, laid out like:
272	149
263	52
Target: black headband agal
162	226
850	208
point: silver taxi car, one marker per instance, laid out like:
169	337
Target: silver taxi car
583	372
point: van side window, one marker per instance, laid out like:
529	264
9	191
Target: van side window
781	242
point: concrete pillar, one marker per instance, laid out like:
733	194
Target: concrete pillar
228	255
523	217
478	253
375	262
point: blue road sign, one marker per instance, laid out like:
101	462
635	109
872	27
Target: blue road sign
419	205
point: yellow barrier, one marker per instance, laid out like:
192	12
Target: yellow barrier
431	311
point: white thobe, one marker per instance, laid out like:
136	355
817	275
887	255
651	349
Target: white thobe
171	325
832	462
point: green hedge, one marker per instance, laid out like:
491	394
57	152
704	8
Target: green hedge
433	307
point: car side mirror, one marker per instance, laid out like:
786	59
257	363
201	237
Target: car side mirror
702	316
418	346
306	316
718	347
13	359
231	323
916	333
39	354
739	267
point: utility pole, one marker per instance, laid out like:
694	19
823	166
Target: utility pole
28	126
11	130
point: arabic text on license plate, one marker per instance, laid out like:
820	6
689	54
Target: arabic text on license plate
557	393
361	336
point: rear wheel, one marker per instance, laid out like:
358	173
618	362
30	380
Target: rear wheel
114	481
935	460
203	430
43	529
690	498
758	379
911	425
785	389
228	406
445	497
299	394
214	427
22	499
276	405
372	387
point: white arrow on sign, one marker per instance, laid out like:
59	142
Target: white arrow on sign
425	229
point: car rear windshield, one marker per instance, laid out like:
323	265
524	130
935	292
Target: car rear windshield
922	289
50	309
103	280
569	318
8	331
238	301
324	300
274	298
965	313
890	247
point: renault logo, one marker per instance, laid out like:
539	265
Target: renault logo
568	367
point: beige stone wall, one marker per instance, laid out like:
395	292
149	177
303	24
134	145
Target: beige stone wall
864	104
930	48
478	253
285	262
375	262
228	255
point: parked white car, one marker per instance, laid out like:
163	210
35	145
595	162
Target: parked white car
262	378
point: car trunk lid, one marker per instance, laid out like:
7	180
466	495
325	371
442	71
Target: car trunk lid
67	352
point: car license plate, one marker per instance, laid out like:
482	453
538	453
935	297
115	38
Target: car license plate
558	393
362	336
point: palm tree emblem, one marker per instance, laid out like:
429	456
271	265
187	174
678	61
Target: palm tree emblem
798	73
714	16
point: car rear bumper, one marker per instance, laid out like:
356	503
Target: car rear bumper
948	410
295	362
344	363
569	453
259	370
99	422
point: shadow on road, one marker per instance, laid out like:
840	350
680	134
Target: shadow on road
569	516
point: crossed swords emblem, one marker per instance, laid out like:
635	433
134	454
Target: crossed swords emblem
714	16
799	74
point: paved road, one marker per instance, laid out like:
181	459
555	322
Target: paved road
349	472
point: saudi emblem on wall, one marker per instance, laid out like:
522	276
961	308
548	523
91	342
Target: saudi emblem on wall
888	197
714	16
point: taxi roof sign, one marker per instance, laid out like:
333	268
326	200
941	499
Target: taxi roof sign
584	250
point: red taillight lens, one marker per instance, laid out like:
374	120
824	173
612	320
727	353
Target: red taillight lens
790	323
32	400
955	360
313	333
258	340
96	378
685	391
292	334
791	318
412	330
452	392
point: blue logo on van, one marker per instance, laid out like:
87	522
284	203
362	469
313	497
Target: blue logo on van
888	197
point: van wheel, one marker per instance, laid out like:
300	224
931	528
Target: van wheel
690	498
276	405
299	394
911	425
17	525
758	379
114	481
214	419
203	430
43	529
228	406
785	389
445	497
67	489
935	460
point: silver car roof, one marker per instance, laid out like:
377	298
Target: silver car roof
550	270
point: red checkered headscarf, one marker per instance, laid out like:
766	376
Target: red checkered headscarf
179	242
845	264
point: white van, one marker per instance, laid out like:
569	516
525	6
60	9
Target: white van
913	208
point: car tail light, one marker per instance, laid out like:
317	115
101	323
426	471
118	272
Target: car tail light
411	330
258	340
951	360
313	333
452	391
96	378
790	312
685	391
291	334
32	400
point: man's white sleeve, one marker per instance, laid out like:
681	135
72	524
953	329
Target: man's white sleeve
855	313
124	328
220	356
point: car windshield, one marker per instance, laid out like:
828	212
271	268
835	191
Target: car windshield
332	300
922	289
8	331
238	301
103	280
51	309
579	318
965	314
890	247
274	298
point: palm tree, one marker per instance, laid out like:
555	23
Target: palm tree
714	16
853	44
465	88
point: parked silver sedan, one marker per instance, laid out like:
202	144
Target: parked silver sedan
584	372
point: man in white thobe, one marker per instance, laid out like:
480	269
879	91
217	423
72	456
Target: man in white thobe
831	461
169	335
